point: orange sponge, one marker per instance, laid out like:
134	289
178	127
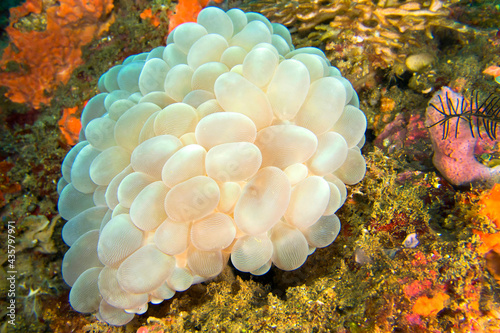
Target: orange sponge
187	11
47	58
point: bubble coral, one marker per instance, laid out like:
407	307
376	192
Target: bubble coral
225	144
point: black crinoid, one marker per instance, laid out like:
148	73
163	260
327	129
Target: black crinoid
479	116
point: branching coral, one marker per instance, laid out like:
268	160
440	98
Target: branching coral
36	61
385	26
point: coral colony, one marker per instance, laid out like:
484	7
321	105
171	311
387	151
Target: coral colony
227	144
385	27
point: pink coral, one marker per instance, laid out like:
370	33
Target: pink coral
454	155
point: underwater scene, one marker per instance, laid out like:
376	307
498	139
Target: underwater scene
250	166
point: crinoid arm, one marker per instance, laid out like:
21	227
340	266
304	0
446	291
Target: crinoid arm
484	116
488	113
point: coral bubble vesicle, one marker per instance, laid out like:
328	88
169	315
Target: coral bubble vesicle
225	145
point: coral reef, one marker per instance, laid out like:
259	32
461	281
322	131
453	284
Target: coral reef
401	195
212	147
40	57
383	29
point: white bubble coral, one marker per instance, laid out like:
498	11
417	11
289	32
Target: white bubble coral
225	144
